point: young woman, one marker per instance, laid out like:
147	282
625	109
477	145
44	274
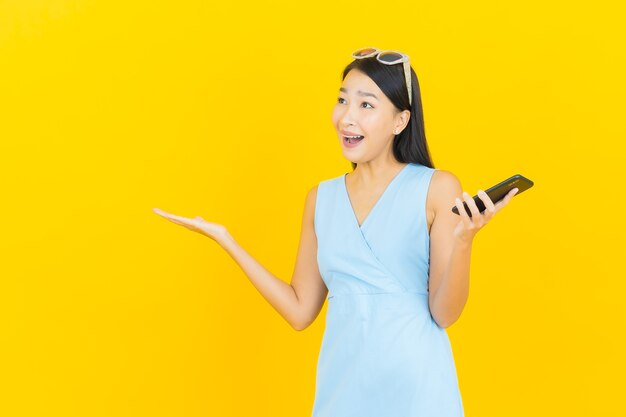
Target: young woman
384	241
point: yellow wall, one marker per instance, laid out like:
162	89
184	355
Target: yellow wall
110	108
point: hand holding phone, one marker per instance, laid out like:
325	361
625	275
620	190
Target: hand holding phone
498	192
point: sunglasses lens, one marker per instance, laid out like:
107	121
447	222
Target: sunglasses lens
390	57
364	52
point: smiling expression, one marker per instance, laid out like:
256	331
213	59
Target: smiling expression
363	109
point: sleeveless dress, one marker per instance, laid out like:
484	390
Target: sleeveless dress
382	354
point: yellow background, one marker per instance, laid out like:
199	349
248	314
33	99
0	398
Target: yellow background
111	108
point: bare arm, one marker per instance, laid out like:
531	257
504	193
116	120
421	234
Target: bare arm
301	301
449	256
451	244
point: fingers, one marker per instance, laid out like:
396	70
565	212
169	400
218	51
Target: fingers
472	205
507	198
478	219
464	216
162	213
196	224
490	208
173	218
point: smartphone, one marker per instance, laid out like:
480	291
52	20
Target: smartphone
498	192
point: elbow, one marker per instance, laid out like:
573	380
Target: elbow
444	324
303	322
299	326
444	320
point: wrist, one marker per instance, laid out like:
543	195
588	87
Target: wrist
224	237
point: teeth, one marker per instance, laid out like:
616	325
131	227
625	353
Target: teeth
353	139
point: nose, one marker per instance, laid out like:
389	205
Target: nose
346	119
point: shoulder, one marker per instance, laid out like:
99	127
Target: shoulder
325	186
322	191
311	194
443	181
309	206
445	186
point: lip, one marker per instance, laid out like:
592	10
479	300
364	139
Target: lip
348	133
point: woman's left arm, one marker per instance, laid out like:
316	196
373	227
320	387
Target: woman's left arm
451	238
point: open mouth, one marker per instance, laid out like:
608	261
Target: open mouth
352	139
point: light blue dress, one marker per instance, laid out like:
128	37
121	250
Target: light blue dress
382	353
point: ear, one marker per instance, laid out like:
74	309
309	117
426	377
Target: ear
402	120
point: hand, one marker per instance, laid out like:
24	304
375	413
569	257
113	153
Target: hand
197	224
469	226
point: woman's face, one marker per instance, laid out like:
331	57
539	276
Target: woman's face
362	109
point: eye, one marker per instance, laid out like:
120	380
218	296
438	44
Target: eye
365	102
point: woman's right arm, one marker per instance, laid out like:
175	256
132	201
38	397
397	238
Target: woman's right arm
301	301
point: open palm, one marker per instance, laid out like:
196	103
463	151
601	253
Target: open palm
196	224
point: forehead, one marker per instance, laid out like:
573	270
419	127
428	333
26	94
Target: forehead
359	84
356	79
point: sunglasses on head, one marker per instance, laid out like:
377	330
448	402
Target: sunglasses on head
388	58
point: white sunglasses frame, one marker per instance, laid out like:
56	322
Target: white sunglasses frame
404	60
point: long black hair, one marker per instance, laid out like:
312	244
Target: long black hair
409	145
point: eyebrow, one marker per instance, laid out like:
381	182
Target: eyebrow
361	93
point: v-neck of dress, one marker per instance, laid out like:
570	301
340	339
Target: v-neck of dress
376	204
